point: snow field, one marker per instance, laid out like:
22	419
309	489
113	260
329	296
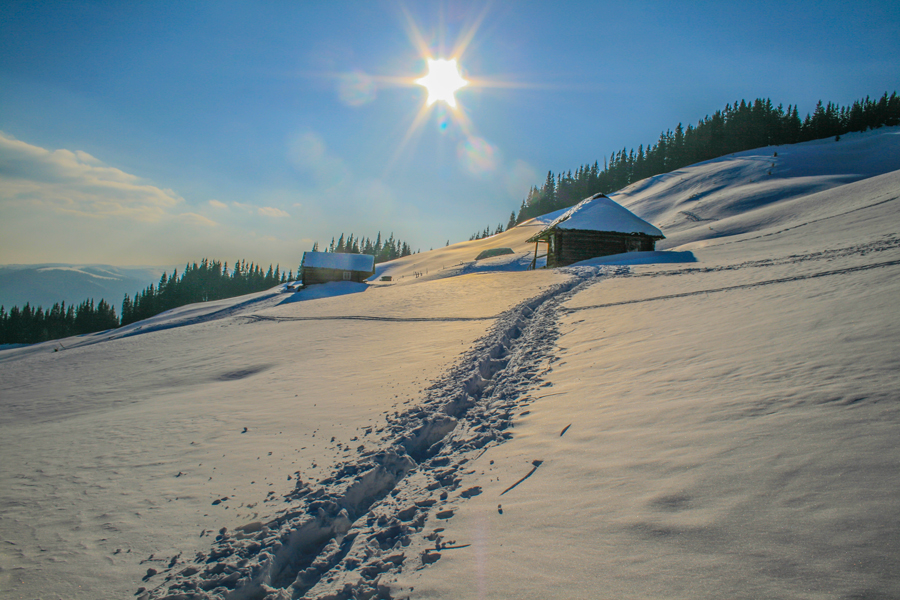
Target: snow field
95	436
340	536
692	470
721	422
718	442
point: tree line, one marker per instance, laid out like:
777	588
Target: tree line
486	233
738	127
208	280
199	282
29	325
383	251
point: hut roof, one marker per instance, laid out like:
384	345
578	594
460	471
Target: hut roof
340	261
599	213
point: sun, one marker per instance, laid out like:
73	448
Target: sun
442	81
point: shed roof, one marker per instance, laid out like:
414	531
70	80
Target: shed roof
599	213
338	260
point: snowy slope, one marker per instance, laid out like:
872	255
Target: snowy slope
715	420
724	196
732	431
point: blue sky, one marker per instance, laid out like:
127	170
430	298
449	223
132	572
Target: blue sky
160	133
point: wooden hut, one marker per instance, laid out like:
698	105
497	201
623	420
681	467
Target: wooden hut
322	267
596	226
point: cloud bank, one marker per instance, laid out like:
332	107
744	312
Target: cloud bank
77	183
270	211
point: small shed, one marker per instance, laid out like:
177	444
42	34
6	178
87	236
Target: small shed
596	226
322	267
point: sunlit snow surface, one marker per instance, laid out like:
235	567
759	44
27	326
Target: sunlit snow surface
715	419
599	213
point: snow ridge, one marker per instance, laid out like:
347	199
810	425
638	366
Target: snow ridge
345	536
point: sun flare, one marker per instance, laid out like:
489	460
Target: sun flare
442	81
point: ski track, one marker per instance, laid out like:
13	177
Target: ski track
345	536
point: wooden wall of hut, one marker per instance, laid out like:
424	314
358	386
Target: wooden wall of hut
313	275
571	246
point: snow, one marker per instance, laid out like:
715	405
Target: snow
715	419
599	213
724	196
337	260
326	290
639	258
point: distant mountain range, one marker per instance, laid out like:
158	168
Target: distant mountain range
46	284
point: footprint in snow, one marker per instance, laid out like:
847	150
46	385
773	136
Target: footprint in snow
472	491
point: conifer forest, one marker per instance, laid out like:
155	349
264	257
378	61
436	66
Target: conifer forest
738	127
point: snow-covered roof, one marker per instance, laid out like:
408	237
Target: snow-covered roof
599	213
337	260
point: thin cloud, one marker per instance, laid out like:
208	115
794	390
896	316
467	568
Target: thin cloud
270	211
266	211
77	183
197	219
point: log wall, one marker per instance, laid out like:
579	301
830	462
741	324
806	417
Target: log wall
313	275
567	246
